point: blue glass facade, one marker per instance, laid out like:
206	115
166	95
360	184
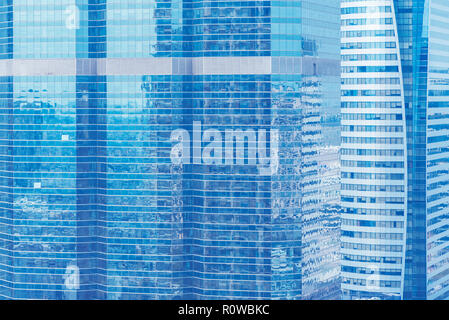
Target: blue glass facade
93	205
414	58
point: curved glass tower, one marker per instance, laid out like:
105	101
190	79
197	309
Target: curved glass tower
374	149
168	149
394	157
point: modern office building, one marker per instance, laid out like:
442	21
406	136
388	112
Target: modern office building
168	149
395	143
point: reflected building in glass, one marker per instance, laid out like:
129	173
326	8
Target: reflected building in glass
95	97
394	156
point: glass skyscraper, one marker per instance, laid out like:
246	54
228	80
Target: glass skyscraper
169	149
394	153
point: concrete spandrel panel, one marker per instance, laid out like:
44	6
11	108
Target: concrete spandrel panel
145	66
140	66
6	68
44	67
